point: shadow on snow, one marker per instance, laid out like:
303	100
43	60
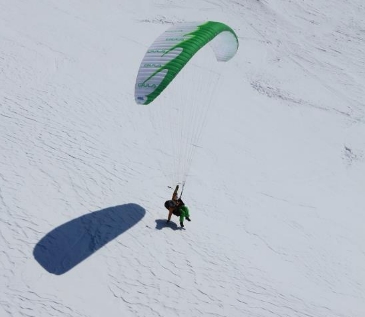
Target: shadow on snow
161	223
71	243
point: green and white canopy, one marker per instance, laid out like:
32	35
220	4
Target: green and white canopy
172	50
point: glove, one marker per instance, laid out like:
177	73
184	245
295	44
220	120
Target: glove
181	224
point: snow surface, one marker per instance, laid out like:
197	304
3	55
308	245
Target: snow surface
276	190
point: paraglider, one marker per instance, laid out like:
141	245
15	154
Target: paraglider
176	207
168	55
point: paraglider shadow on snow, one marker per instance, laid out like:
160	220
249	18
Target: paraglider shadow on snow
161	223
71	243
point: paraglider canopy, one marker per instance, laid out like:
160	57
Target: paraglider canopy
171	51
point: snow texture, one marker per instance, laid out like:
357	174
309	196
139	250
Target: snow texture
276	190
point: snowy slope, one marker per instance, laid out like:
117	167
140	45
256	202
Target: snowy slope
276	190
